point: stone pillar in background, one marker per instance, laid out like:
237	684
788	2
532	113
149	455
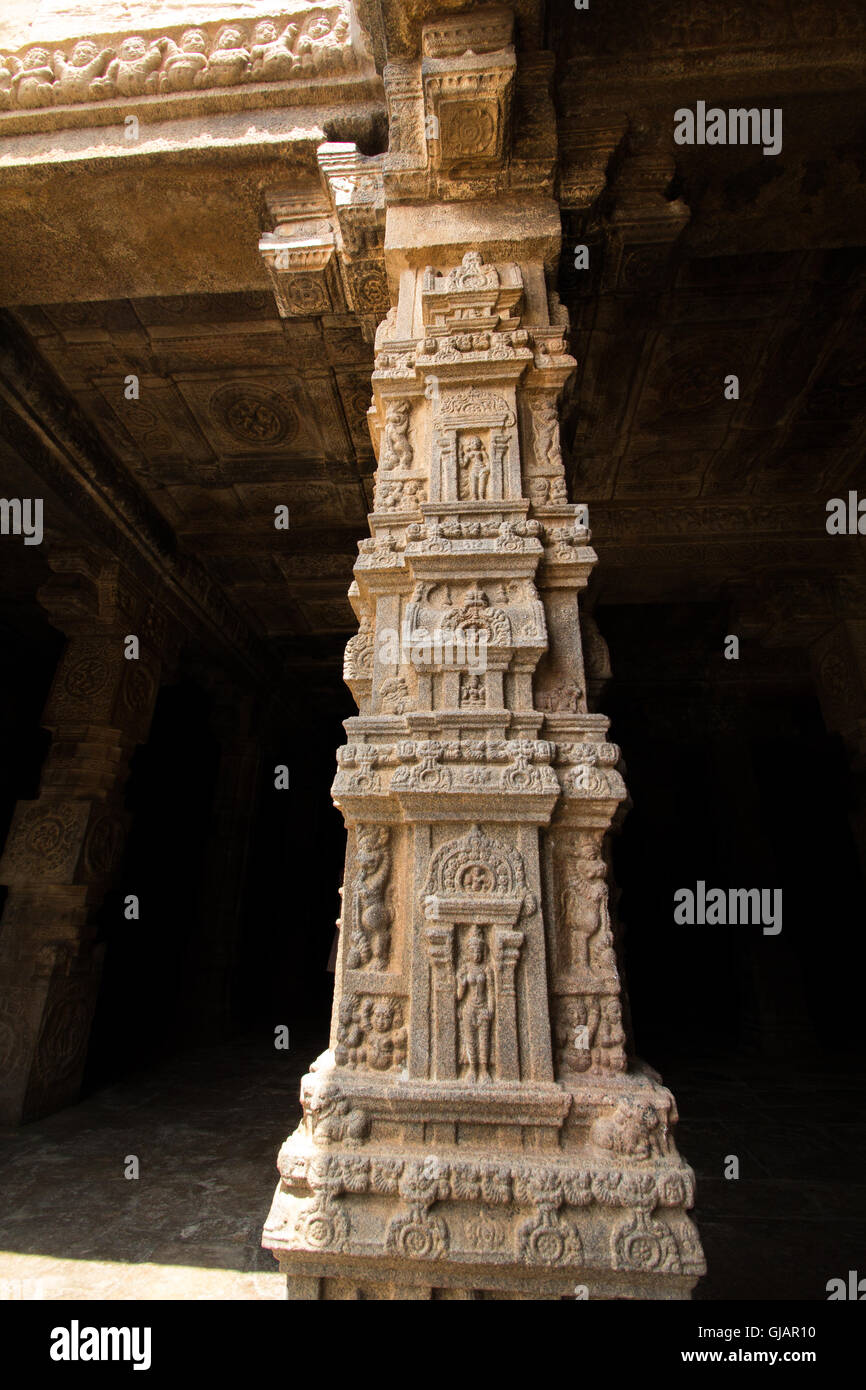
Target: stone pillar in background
64	848
474	1129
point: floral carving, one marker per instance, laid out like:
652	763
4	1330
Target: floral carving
477	864
63	1037
549	1239
641	1243
485	1233
358	656
86	677
254	416
472	273
44	839
324	1225
420	1235
104	846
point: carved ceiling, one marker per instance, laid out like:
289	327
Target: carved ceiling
239	412
703	262
676	475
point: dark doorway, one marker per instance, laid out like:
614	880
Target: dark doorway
139	1014
734	781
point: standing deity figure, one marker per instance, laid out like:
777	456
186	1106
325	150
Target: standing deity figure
584	908
476	1000
349	1049
546	421
474	467
371	938
396	449
610	1038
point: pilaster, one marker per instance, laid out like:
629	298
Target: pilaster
65	847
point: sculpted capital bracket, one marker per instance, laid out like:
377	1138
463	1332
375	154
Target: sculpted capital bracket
469	117
324	253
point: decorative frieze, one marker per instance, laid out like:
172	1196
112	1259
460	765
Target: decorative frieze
310	41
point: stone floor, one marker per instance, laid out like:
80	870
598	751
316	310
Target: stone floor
207	1125
206	1128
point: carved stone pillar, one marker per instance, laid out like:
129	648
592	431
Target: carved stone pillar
507	946
451	1141
63	849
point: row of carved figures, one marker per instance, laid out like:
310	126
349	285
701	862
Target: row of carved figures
397	451
319	41
585	916
371	1033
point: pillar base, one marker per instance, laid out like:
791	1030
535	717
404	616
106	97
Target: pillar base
536	1191
350	1280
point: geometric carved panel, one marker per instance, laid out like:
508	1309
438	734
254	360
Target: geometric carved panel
245	414
158	422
